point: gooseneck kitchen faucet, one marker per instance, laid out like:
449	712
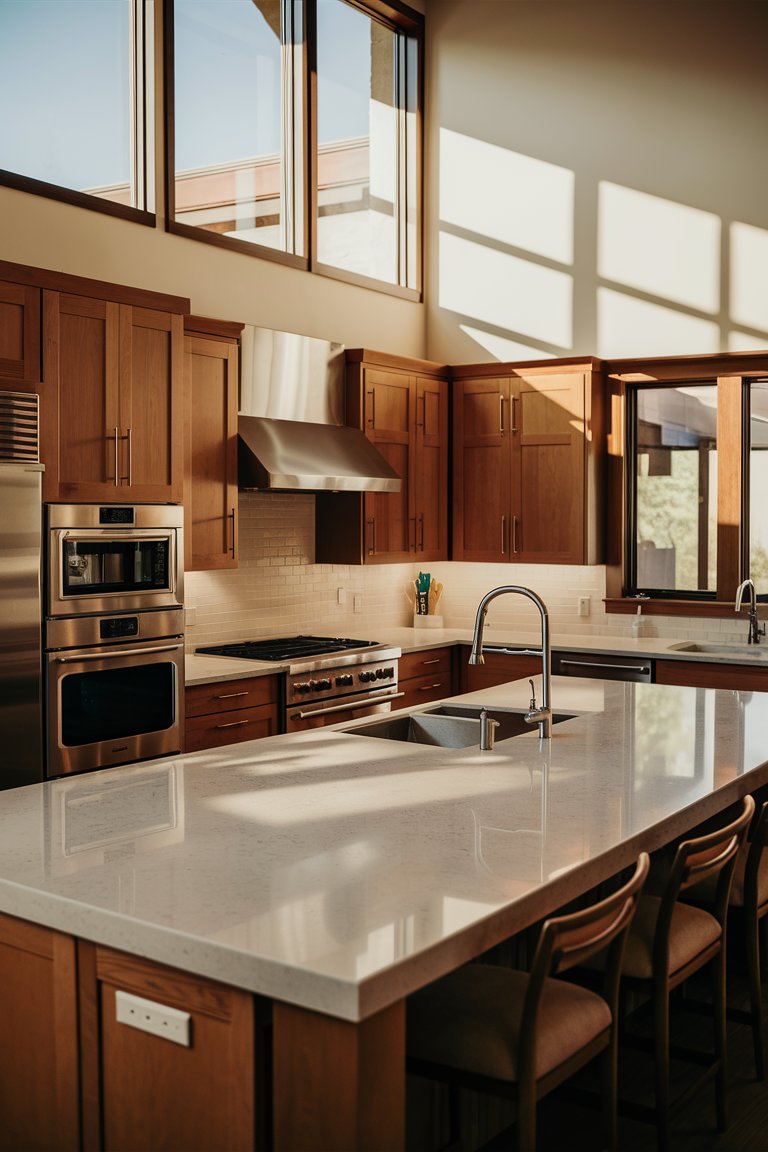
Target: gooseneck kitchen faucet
543	715
755	631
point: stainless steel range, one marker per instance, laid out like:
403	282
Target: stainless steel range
328	679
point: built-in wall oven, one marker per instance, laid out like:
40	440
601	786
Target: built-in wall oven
114	635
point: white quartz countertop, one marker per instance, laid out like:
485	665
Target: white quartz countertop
206	669
341	872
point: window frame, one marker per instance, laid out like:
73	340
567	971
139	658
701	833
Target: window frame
142	136
402	20
733	373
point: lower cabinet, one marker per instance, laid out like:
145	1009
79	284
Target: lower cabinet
702	674
230	711
144	1090
39	1077
498	668
425	675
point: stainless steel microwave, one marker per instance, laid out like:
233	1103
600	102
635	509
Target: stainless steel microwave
113	558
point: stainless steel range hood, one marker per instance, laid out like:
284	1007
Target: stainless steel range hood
291	431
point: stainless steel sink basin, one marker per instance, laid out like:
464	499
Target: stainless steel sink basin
447	726
756	651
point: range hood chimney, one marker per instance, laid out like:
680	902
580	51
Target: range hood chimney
291	431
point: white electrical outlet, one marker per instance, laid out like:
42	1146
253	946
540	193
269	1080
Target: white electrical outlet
190	616
341	595
357	602
157	1019
583	605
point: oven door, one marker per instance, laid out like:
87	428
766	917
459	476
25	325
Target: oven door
336	710
113	705
112	570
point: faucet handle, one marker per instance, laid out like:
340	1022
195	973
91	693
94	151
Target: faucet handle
532	704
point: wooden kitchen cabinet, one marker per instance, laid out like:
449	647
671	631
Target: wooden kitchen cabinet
528	463
210	446
703	674
39	1072
19	336
230	711
402	406
499	668
425	675
111	426
141	1090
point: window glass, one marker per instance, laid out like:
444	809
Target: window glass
366	145
233	113
675	478
73	116
758	485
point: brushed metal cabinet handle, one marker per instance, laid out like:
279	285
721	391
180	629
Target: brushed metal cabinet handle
233	724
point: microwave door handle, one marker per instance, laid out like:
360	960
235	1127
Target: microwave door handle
108	652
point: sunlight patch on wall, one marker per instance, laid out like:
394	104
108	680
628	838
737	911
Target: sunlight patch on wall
749	277
515	199
503	349
499	289
627	326
658	246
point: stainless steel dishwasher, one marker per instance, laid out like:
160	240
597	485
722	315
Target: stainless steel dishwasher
602	666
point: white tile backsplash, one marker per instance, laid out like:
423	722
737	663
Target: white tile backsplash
278	588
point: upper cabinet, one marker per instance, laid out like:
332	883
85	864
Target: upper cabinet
528	451
402	406
111	421
210	445
19	335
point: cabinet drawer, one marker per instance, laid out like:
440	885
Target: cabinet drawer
232	727
422	689
432	662
698	674
499	668
225	695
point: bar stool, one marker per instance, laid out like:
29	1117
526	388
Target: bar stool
749	892
668	942
520	1034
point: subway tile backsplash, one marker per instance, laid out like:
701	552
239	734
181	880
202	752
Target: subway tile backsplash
279	589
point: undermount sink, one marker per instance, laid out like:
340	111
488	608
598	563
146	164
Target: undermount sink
748	650
447	726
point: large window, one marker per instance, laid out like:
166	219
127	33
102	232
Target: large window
73	87
697	488
294	132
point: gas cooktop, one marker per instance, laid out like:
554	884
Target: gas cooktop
287	648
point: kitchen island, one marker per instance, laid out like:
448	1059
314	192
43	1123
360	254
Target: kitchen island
332	874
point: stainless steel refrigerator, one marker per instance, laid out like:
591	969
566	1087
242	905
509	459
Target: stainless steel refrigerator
21	712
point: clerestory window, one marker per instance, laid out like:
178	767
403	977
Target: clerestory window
294	133
76	84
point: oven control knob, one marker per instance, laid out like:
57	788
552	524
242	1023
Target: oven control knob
302	686
322	685
380	673
343	681
366	676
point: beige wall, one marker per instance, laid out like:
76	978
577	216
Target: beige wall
596	177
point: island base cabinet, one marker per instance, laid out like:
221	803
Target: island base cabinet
39	1081
339	1085
141	1090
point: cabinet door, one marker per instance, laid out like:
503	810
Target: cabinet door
39	1080
548	469
210	467
390	526
115	430
430	488
19	335
499	668
143	1090
481	494
151	404
82	338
